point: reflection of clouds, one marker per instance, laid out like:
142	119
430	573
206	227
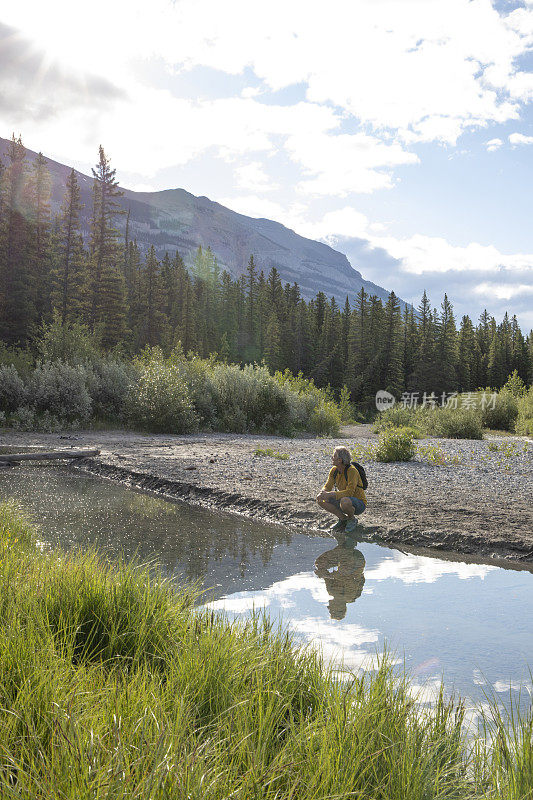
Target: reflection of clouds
341	644
422	569
512	686
281	592
478	678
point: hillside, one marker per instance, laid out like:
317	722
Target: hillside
174	220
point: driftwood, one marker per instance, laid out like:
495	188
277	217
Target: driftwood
16	458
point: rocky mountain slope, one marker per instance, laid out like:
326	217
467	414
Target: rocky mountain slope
177	220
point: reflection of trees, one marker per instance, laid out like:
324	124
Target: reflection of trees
77	510
342	570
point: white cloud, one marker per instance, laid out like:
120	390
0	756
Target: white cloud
493	144
343	163
252	176
504	291
519	138
427	70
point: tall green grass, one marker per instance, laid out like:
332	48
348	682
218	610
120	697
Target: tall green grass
114	684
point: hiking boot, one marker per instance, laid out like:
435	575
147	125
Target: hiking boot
351	526
338	527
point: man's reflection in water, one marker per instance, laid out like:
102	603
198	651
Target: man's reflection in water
343	572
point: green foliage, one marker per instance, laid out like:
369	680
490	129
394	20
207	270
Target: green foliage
503	415
446	423
450	423
436	456
60	389
515	385
524	421
325	419
395	444
21	359
109	383
12	390
395	417
115	684
270	452
159	400
71	342
345	406
85	299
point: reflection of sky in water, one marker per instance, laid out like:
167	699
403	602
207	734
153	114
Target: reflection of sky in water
470	622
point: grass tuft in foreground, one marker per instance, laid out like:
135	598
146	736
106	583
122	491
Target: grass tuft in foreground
114	684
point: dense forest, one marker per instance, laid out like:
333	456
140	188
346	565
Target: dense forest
128	300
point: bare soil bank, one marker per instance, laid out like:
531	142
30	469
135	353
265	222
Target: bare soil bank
482	506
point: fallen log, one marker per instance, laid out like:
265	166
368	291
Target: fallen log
16	458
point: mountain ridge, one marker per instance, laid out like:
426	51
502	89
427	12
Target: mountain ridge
175	219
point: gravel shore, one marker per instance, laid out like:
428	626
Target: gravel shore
482	505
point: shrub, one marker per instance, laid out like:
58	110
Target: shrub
159	400
395	417
524	422
60	389
503	415
395	445
345	407
515	384
22	360
23	419
73	343
450	423
325	419
12	389
109	384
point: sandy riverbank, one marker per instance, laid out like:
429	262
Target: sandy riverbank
481	506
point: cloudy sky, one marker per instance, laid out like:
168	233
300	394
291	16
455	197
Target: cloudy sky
399	131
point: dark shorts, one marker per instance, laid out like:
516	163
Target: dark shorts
358	505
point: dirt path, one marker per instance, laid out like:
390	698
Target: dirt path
482	506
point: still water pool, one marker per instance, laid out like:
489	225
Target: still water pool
470	623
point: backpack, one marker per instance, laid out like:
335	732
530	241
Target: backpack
361	470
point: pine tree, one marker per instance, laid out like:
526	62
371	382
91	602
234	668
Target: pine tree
469	355
39	190
410	345
446	350
152	322
69	270
391	359
104	249
273	343
423	378
484	334
17	309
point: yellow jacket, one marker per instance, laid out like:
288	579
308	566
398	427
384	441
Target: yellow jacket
351	486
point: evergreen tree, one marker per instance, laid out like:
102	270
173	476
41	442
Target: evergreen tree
39	198
423	378
17	309
152	322
410	344
104	249
391	371
469	355
273	343
446	351
69	271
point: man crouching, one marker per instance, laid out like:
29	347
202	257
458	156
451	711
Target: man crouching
349	498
